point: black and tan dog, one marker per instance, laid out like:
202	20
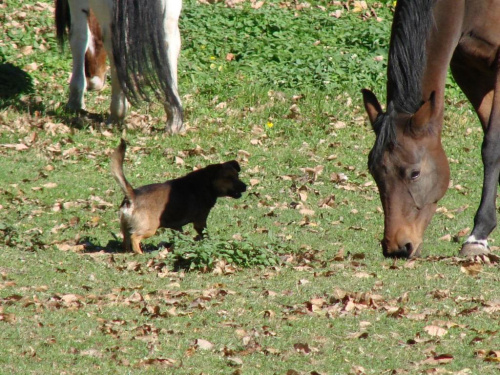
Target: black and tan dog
174	203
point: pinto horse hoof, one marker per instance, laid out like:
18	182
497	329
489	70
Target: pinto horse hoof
470	249
175	127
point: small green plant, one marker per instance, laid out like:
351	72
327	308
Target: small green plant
204	255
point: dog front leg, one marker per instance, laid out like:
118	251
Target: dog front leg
200	227
136	243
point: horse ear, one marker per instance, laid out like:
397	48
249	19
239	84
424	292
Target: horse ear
372	106
420	120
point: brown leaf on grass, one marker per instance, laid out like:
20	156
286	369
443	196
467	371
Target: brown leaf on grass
357	370
203	344
492	356
257	4
235	361
158	362
269	293
269	314
135	298
328	202
439	294
8	318
272	351
395	312
446	237
17	147
364	275
313	173
357	335
91	353
307	212
435	331
439	359
471	268
70	247
303	348
254	181
491	306
339	257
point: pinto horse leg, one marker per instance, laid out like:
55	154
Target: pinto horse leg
483	90
119	105
173	43
95	57
78	41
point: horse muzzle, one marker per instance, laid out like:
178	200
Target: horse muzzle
407	250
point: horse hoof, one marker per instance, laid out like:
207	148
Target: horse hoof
175	128
115	120
74	107
473	248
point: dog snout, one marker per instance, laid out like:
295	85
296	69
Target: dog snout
242	186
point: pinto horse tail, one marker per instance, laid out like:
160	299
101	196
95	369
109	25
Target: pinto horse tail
63	20
140	50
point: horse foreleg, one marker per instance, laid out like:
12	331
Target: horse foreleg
485	219
484	94
173	43
78	41
119	104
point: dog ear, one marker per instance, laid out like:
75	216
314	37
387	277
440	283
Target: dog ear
234	164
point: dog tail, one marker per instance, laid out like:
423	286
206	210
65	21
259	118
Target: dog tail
117	170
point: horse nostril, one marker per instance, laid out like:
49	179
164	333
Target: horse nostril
408	248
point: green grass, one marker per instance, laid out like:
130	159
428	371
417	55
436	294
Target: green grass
282	285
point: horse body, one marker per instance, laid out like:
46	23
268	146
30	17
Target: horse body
142	41
407	161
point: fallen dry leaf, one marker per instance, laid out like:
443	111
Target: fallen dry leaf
203	344
471	268
435	331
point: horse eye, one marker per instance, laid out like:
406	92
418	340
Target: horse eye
414	175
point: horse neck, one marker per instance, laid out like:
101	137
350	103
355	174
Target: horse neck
441	43
412	79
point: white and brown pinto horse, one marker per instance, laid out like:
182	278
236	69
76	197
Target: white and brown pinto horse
407	161
142	40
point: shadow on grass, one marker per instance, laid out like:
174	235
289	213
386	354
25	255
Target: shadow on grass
14	84
115	246
81	119
18	92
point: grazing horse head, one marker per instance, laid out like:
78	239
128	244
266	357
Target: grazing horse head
411	170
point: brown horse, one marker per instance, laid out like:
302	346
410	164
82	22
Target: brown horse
407	161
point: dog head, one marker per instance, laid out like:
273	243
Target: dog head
226	181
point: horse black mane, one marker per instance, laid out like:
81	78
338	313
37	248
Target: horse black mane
407	60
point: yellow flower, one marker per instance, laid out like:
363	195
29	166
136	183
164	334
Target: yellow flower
269	124
212	57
